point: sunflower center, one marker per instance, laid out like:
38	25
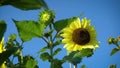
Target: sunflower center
81	36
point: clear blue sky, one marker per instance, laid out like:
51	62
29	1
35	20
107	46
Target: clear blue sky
104	15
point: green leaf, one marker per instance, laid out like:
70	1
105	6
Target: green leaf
45	56
57	63
113	66
6	54
29	29
31	63
3	27
25	4
57	51
43	49
58	42
74	57
114	51
59	25
87	52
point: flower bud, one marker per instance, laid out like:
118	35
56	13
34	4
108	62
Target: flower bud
118	38
47	17
112	40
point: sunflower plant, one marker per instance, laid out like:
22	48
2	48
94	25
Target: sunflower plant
77	35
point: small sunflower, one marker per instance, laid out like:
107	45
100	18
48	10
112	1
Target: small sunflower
1	50
47	16
79	35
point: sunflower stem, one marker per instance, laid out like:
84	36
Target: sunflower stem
51	48
70	65
75	66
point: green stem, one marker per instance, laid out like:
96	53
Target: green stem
75	66
20	57
45	40
70	65
117	46
51	48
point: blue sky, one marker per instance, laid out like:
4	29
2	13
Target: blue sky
104	15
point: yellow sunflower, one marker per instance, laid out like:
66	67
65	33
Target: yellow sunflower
1	50
79	35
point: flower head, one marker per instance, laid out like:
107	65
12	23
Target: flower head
46	16
1	50
79	35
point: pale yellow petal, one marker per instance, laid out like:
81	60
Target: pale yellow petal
73	25
2	45
83	22
66	36
76	47
3	65
67	30
66	40
86	23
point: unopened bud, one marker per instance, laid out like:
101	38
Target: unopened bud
118	38
112	40
47	16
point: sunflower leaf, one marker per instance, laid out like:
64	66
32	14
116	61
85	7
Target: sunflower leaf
87	52
57	51
29	29
58	42
43	49
58	63
25	4
45	56
3	27
60	24
74	57
31	63
114	51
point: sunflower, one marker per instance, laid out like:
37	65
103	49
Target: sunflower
47	16
79	35
1	50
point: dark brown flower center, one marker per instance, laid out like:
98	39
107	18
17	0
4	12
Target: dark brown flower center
81	36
